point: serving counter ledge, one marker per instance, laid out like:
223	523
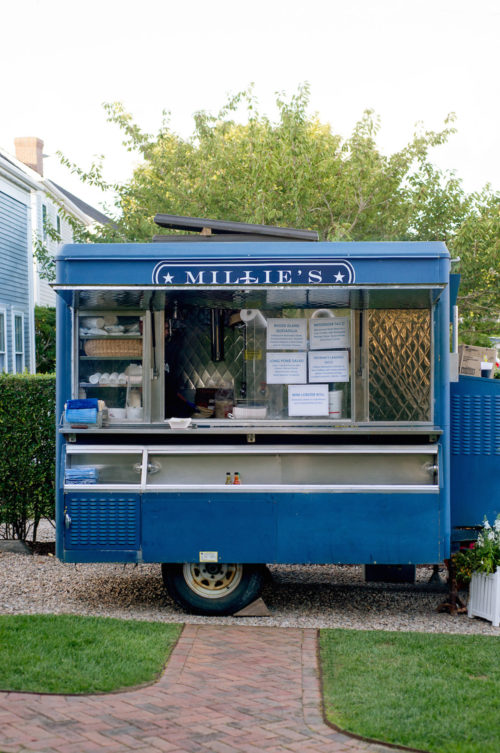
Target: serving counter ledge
224	428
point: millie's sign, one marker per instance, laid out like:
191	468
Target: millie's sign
249	273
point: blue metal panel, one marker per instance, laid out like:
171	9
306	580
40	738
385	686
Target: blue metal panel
102	521
63	392
14	277
101	555
317	528
360	528
384	250
442	407
177	527
475	450
454	286
136	264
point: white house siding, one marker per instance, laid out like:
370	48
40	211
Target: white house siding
44	295
15	271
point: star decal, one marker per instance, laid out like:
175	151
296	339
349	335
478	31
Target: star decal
339	277
168	277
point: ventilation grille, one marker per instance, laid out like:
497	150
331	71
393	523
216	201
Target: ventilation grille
103	522
475	425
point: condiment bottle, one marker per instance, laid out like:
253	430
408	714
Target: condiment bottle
228	478
236	478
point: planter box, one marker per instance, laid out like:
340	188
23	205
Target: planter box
484	597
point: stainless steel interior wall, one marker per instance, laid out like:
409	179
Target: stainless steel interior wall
188	353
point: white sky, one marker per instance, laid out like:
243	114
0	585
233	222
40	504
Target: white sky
409	61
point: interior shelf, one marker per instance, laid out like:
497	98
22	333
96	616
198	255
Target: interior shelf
110	336
110	358
89	385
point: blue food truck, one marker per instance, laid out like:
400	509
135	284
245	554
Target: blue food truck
250	395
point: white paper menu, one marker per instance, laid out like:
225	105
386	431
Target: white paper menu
329	333
329	366
286	334
308	400
286	368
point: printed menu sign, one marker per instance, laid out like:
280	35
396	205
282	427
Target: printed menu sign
329	366
286	368
308	400
329	332
286	334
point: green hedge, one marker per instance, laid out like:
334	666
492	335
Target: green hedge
27	452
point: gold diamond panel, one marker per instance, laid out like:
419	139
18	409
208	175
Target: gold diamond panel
399	355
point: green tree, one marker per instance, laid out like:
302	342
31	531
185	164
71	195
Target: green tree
45	339
294	171
43	255
477	244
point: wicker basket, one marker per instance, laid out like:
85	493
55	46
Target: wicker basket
110	347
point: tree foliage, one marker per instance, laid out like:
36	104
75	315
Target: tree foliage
45	339
44	255
477	244
295	171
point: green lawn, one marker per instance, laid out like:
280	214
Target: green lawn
435	692
70	654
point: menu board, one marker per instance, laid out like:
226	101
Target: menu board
286	368
286	334
332	332
329	366
308	400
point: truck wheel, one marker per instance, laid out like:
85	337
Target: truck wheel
212	588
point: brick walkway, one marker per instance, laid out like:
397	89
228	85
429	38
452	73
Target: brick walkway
225	690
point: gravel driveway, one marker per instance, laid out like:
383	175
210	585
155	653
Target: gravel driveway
297	596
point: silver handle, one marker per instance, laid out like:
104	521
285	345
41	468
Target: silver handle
67	520
151	467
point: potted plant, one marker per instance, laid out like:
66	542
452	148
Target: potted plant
480	565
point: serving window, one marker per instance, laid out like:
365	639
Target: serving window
222	356
256	364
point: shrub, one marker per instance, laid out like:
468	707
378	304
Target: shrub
45	339
27	452
483	557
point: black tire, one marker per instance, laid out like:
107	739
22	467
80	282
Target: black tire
211	588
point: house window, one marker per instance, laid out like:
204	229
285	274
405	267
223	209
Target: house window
18	343
58	225
3	341
44	222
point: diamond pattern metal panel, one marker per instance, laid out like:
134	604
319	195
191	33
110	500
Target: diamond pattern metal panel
190	355
111	299
399	353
